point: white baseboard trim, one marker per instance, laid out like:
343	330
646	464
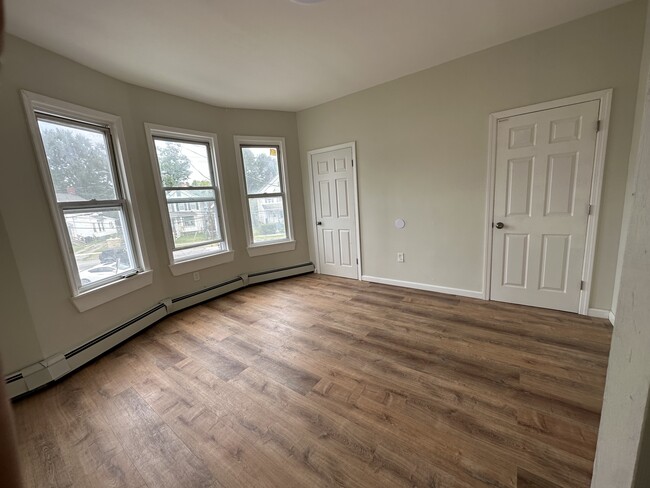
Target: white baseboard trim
423	286
598	313
51	369
612	318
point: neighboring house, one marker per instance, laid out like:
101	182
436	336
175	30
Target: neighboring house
270	210
87	226
190	217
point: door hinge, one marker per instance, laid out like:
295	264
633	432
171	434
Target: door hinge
357	260
353	163
598	124
590	209
582	285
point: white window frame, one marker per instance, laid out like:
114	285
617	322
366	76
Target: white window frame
209	259
85	299
288	244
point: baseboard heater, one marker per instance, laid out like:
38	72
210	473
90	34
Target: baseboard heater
55	367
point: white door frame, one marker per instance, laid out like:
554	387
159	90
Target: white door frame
352	145
605	98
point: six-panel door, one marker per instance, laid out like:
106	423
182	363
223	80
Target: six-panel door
544	169
333	184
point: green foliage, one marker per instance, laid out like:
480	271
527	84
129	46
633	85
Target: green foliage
272	229
174	165
192	238
78	164
261	170
201	183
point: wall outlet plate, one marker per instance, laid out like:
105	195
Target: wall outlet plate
400	257
196	276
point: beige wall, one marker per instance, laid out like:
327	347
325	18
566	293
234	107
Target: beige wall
630	187
628	374
43	314
624	436
16	325
422	145
642	475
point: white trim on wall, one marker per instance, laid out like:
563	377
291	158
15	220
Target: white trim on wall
284	245
598	313
353	146
87	299
605	98
612	318
423	286
208	259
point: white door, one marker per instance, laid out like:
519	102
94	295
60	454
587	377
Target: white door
335	208
544	169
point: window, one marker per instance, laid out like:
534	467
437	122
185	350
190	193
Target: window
263	175
187	174
83	165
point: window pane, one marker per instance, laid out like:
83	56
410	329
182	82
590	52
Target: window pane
188	195
197	252
192	226
79	162
183	163
261	169
101	248
267	219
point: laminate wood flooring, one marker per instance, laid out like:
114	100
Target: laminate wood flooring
317	381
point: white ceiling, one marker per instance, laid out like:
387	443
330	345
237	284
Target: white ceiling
276	54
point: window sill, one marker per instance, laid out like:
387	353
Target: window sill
202	262
111	291
262	249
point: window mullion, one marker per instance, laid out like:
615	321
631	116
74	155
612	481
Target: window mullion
91	204
200	244
189	200
265	195
188	188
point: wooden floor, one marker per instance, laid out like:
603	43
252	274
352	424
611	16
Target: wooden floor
317	381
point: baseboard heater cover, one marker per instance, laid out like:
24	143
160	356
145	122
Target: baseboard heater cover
112	332
44	372
208	293
13	377
16	385
276	274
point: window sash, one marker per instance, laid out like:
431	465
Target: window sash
128	240
279	163
185	141
108	138
260	196
202	243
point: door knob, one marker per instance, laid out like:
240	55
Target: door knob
499	225
319	223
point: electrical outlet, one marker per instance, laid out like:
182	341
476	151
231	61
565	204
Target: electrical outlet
400	257
197	276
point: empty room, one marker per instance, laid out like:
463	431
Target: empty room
321	243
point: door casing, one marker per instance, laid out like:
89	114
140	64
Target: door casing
605	97
355	199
